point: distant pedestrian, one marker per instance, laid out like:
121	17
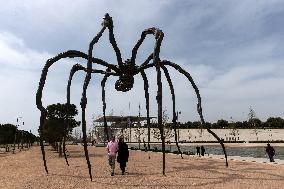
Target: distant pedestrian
145	146
270	152
202	150
94	142
112	148
198	151
123	155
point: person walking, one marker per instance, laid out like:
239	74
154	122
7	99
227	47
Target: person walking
112	148
270	152
202	150
123	155
198	150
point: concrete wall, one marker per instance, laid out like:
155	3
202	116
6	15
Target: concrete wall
192	135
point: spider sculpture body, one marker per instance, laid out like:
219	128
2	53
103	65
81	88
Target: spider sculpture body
125	71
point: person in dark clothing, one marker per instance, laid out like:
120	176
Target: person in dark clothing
123	155
202	150
198	150
270	152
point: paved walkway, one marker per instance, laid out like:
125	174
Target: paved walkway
25	170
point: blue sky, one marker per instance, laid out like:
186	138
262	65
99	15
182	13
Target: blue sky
233	49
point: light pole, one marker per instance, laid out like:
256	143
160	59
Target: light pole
15	137
177	113
22	133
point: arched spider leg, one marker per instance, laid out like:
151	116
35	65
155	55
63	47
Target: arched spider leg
159	37
146	89
49	63
103	82
155	56
74	69
156	32
140	41
70	54
84	97
174	105
107	23
199	107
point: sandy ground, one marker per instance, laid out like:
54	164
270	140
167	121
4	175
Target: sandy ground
25	170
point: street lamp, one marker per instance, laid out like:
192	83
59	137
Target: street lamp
177	113
15	137
22	136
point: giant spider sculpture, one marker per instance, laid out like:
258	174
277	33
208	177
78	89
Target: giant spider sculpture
125	71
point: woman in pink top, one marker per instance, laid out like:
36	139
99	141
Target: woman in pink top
112	148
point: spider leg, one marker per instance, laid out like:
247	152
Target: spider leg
156	61
140	41
104	105
199	107
49	63
174	105
145	66
109	24
106	23
72	54
74	69
146	89
72	72
64	148
39	102
150	57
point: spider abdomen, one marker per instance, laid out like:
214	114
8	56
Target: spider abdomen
124	83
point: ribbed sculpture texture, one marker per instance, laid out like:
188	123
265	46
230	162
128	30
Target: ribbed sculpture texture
125	71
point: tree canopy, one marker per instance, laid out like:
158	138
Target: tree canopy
254	123
9	131
55	127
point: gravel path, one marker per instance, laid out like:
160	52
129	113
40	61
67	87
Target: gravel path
25	170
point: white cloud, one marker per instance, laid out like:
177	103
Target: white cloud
15	54
232	50
19	77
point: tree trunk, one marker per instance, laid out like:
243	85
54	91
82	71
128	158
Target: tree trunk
55	146
60	149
